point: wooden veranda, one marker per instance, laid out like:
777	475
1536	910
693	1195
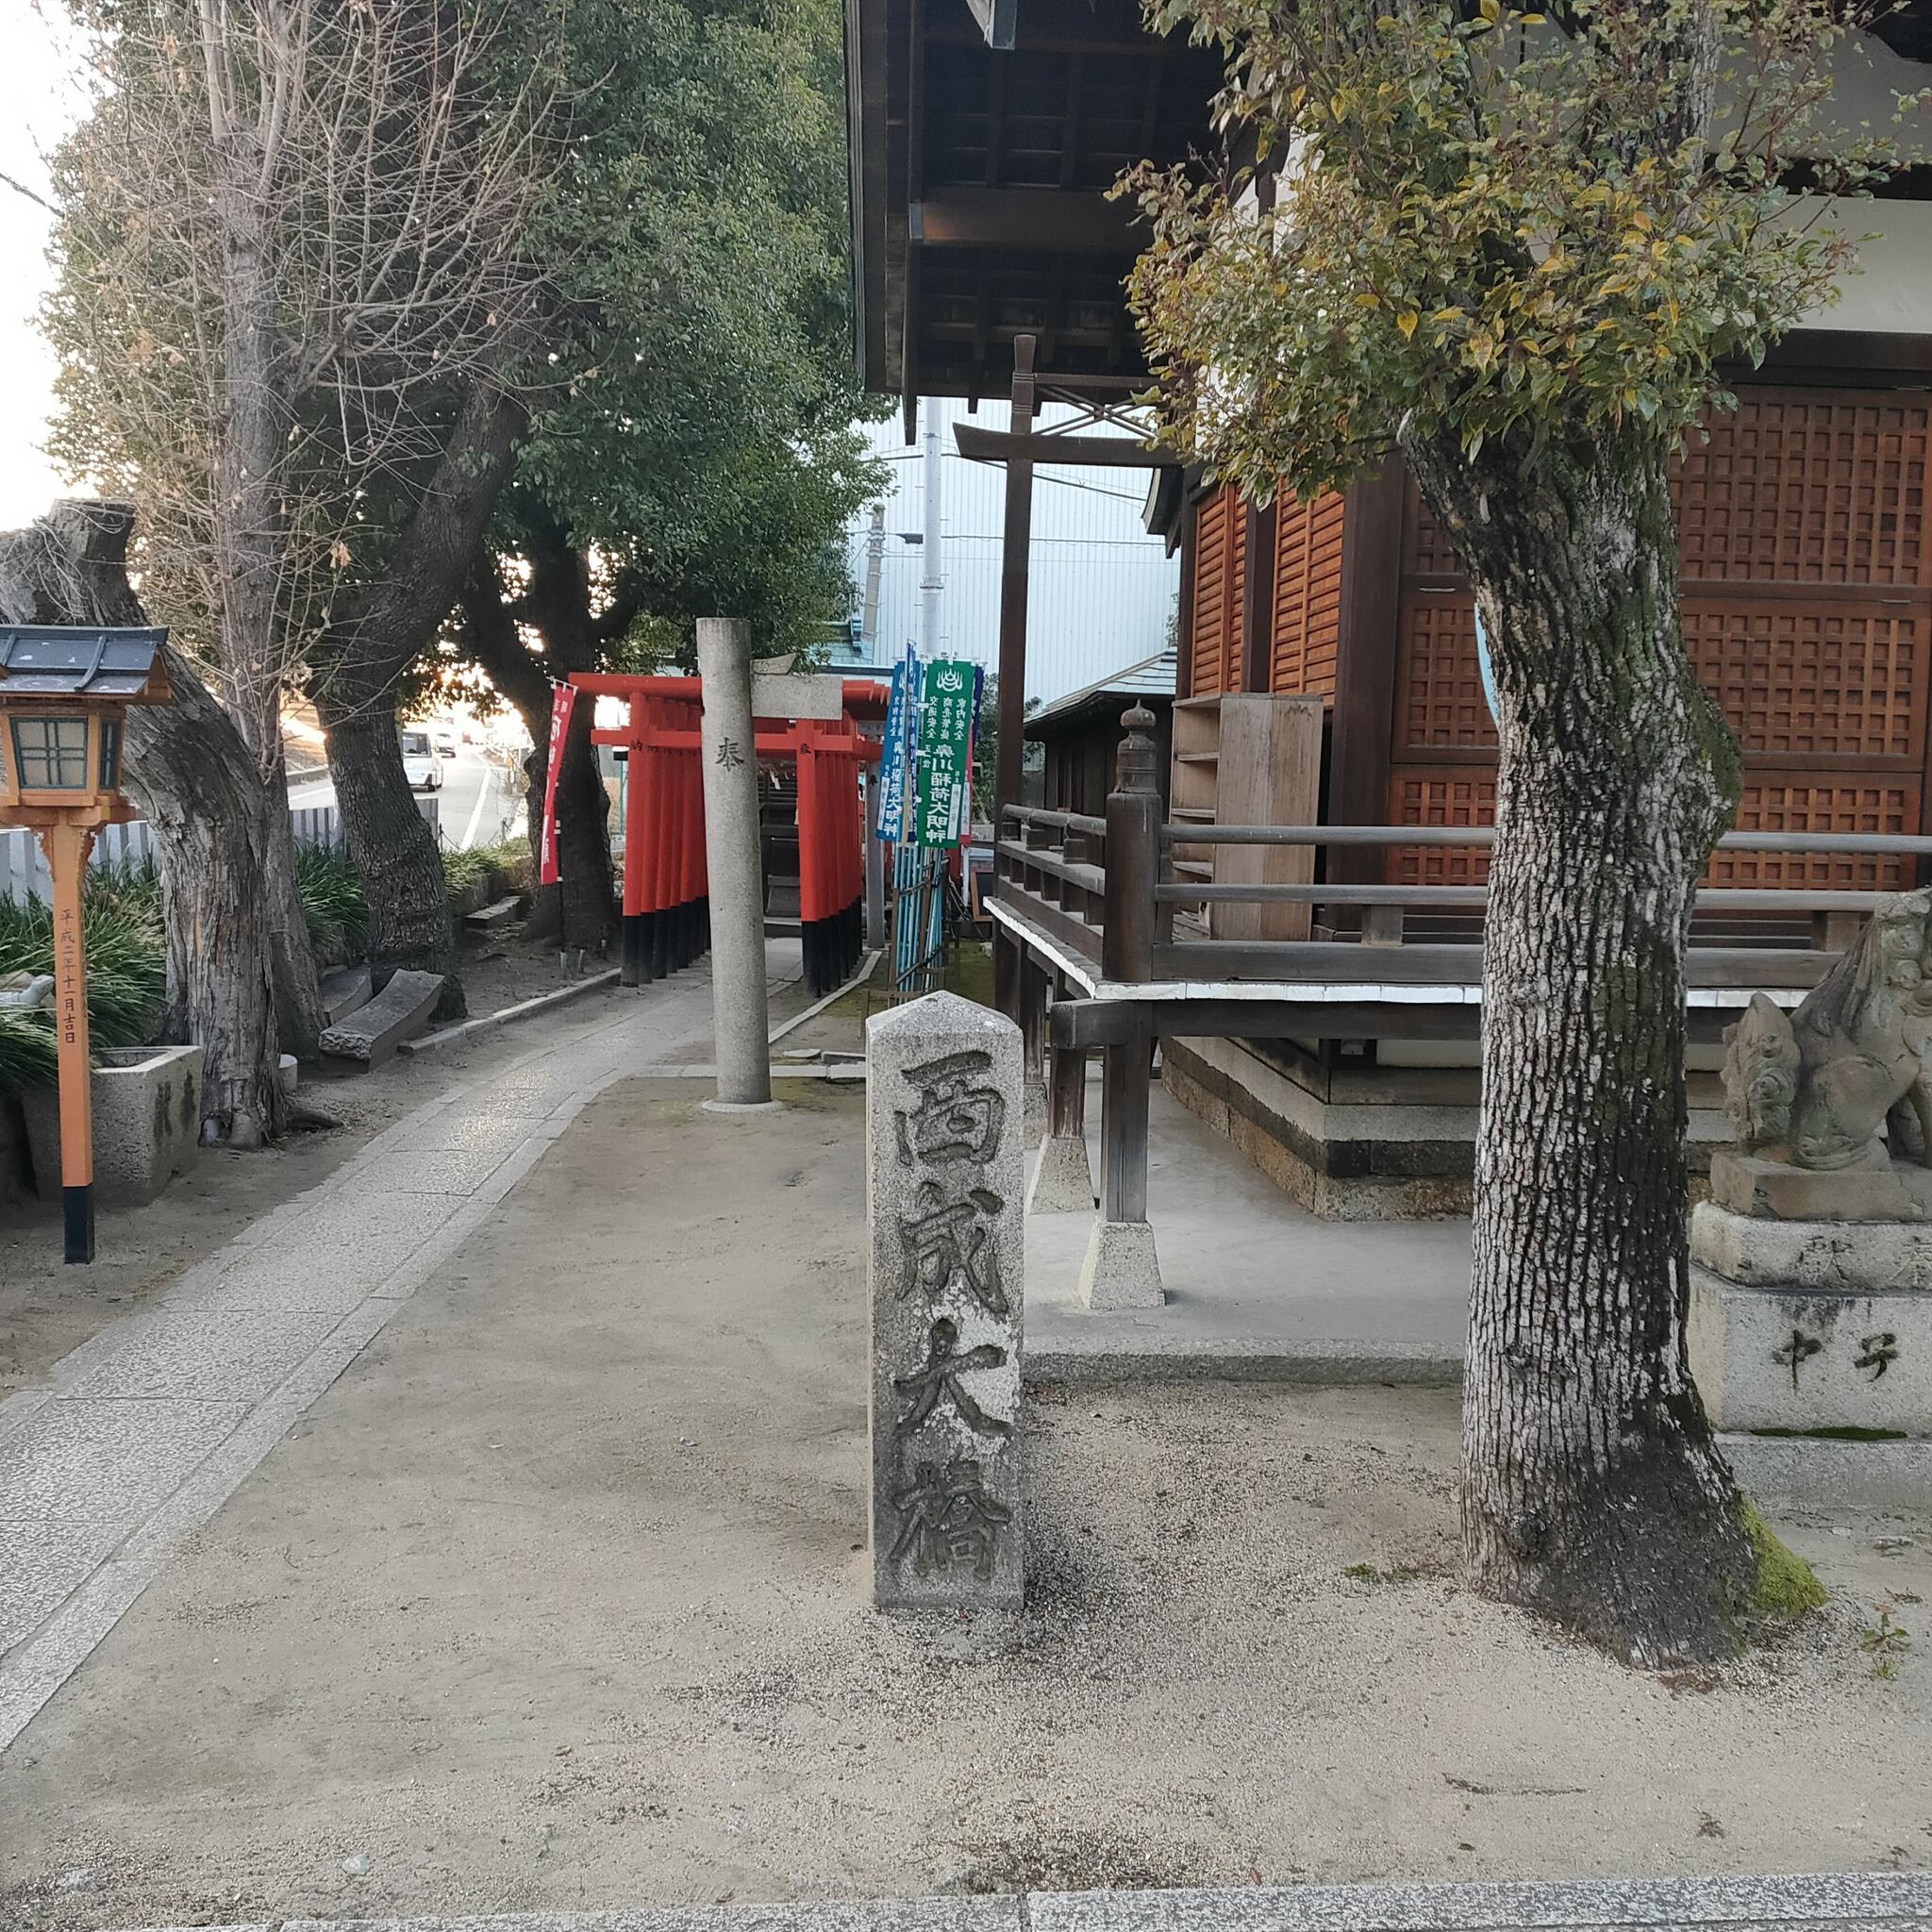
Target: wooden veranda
1108	957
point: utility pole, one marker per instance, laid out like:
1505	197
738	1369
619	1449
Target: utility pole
874	564
934	580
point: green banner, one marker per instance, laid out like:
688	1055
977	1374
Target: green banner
944	799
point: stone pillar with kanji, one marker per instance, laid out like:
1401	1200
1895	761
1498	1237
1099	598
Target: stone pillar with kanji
943	1199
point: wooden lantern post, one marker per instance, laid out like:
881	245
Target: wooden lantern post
63	696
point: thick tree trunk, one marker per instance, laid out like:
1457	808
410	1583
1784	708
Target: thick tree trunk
393	848
360	662
583	841
1592	1490
291	958
249	537
195	781
580	909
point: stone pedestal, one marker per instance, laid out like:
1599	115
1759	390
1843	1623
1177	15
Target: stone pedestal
943	1132
1062	1177
1874	1188
1810	1324
1122	1269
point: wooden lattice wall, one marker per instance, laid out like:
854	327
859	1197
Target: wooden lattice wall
1305	609
1214	617
1808	612
1300	567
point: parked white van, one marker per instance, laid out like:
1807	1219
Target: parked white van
421	763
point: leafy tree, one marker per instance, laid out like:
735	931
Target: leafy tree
690	448
1516	248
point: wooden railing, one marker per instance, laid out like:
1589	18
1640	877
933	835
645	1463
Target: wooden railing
1107	890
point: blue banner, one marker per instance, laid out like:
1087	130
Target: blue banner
898	748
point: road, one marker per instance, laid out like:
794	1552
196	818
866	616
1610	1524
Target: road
475	807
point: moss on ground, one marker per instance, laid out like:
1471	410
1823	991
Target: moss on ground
1787	1587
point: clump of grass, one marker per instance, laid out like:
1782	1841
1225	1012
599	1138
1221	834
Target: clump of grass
1787	1587
1368	1572
500	869
127	971
335	906
1884	1642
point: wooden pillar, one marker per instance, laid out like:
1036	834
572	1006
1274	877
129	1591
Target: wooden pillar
1133	855
1015	545
1370	613
636	760
1126	1078
1066	1092
1122	1270
67	847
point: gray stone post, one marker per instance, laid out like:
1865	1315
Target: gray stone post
943	1138
739	1020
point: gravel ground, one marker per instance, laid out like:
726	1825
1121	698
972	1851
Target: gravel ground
556	1599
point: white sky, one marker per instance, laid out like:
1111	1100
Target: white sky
40	98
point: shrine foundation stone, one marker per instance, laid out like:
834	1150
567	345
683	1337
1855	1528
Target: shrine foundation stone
944	1124
1811	1325
1062	1179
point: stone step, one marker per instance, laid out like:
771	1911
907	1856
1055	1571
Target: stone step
372	1034
343	991
498	913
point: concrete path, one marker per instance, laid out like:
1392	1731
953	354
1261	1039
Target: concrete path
1257	1286
143	1431
1879	1900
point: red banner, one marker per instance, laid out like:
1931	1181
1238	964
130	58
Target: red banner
561	699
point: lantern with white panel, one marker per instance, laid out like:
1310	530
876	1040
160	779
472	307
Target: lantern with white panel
64	694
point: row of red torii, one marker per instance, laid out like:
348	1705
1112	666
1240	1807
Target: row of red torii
666	915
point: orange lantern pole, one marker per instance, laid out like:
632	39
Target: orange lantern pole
63	693
68	846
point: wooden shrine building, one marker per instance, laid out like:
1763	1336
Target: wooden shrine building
1327	681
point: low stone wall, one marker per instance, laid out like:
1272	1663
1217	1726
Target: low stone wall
1390	1158
1361	1141
147	1123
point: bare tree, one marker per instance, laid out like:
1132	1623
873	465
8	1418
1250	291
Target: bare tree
293	249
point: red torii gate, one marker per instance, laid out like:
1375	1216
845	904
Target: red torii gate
666	908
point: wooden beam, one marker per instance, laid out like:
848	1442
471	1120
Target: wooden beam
1079	452
1050	221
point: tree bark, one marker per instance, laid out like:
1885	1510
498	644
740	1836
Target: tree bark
581	908
583	840
248	537
299	1014
395	852
1593	1489
359	663
195	781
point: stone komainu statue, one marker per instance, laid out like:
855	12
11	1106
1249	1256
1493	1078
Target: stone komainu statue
1813	1088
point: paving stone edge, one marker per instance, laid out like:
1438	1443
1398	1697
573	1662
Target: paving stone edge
1880	1900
